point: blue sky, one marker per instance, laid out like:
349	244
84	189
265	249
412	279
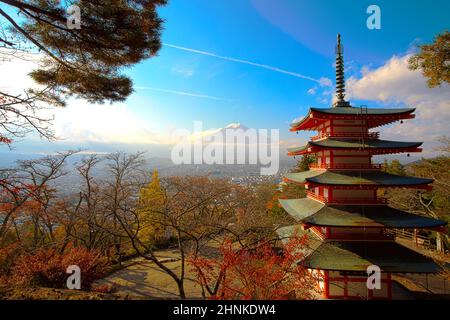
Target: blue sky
258	31
196	75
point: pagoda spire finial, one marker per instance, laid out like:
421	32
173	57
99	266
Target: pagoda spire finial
340	78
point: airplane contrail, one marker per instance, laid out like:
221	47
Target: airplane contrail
321	81
182	93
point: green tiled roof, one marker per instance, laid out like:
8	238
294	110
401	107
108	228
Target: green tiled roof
355	111
297	149
313	212
302	176
301	209
357	143
358	255
339	143
344	177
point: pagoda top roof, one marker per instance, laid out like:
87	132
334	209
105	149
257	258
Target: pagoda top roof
376	116
341	255
357	111
309	211
358	144
355	178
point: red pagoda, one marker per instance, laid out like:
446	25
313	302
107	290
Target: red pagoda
347	222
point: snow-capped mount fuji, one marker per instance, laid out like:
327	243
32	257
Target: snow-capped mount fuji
235	125
208	134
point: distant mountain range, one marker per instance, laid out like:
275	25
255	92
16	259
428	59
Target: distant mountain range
158	156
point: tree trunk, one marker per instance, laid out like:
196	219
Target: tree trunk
180	284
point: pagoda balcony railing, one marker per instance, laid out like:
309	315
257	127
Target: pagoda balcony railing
367	135
348	166
324	199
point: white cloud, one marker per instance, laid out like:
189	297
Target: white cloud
312	91
81	121
322	81
395	84
184	71
325	82
14	70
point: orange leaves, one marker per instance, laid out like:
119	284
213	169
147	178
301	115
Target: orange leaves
7	256
255	273
47	267
5	140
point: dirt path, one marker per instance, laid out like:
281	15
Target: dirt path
145	279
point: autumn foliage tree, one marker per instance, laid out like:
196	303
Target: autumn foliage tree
394	167
256	272
120	214
33	250
433	60
26	194
154	228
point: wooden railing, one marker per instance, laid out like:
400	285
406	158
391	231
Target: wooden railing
324	199
368	135
360	201
349	166
418	240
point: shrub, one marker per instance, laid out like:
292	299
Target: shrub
47	267
105	288
7	257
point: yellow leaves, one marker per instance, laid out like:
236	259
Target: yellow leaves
152	195
433	59
151	201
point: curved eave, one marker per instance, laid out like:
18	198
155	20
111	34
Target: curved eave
368	144
297	125
297	150
300	177
376	116
314	213
366	178
349	178
374	146
358	255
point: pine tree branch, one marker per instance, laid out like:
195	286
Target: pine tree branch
21	5
29	37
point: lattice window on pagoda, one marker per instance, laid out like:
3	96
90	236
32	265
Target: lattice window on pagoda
358	196
350	160
340	130
355	233
350	153
354	286
336	289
